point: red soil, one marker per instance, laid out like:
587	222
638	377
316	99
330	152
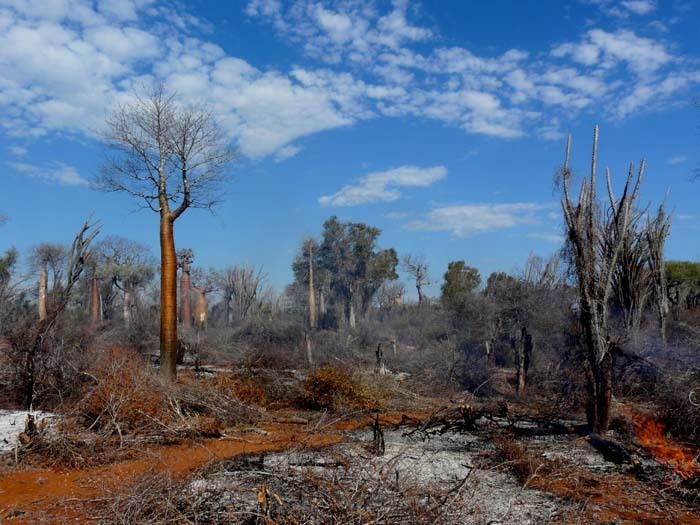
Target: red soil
46	496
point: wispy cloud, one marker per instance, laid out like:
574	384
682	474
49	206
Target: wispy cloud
549	237
383	186
677	159
465	220
56	172
17	151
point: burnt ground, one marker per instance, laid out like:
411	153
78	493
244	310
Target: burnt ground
429	465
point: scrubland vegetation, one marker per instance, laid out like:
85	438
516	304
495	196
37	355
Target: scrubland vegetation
366	401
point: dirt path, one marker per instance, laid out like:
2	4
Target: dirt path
47	496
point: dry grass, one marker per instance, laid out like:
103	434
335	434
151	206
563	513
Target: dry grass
335	389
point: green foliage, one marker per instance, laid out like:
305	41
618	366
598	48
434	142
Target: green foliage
461	281
683	272
348	266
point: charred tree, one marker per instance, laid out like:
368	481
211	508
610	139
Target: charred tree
656	234
596	234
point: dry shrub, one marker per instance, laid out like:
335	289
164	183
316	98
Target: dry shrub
153	497
245	389
125	397
222	397
521	461
332	388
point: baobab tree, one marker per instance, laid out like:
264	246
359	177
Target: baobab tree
44	257
596	233
172	157
185	258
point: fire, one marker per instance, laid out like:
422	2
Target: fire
651	435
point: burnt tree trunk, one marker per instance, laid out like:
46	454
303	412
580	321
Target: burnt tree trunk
599	387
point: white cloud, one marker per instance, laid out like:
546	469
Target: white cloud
677	159
64	63
465	220
56	172
639	7
549	237
383	186
642	55
17	151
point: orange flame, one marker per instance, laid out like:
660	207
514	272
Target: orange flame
651	435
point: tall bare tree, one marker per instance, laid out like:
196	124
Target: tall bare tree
656	234
172	157
417	268
596	234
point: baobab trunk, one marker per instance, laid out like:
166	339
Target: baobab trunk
309	352
168	299
126	309
351	315
312	293
43	285
94	301
200	308
185	297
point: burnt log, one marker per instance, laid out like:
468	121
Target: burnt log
611	450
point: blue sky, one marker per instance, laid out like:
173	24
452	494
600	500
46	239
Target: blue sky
442	123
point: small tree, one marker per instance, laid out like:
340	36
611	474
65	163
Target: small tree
596	235
172	157
417	268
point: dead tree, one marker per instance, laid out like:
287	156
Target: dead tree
522	347
417	268
632	278
656	234
185	258
29	338
596	234
242	287
172	157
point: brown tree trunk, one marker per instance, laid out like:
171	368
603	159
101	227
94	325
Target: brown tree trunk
43	285
168	299
94	301
185	296
200	308
312	292
419	288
